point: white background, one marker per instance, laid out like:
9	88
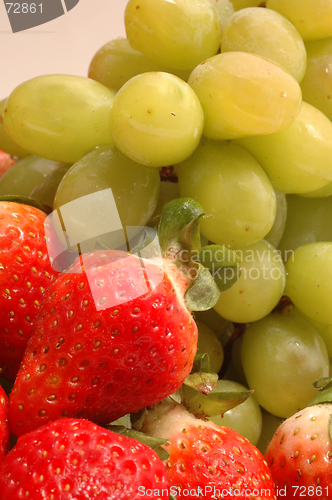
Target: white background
64	45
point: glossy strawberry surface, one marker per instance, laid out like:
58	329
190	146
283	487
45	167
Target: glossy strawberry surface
4	425
110	341
300	454
76	459
25	275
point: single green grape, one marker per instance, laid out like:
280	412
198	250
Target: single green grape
246	418
225	10
6	143
244	94
317	81
135	190
116	62
157	119
59	117
259	288
309	280
179	34
270	424
275	235
231	187
268	34
313	20
308	221
26	175
244	4
209	343
325	331
45	191
299	158
282	356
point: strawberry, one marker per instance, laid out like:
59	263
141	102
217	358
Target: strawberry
300	454
76	459
4	426
207	460
102	364
6	161
25	275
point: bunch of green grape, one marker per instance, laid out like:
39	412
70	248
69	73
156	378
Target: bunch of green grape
234	98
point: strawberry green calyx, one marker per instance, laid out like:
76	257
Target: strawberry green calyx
210	269
26	200
201	394
151	441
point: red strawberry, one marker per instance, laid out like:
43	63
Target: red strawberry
4	426
25	275
76	459
6	161
300	454
207	460
101	364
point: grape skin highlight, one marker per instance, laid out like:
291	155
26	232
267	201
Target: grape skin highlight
59	117
157	119
232	187
244	94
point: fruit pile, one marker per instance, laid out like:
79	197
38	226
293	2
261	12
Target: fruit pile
166	261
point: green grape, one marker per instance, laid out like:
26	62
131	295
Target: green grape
59	117
323	192
179	34
270	424
268	34
313	20
168	191
325	331
244	94
308	221
317	81
27	174
237	362
298	159
232	187
259	288
222	327
209	343
309	280
225	10
275	235
282	356
246	418
156	119
135	188
6	144
116	62
45	191
244	4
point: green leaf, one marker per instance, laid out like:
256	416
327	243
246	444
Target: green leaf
215	403
201	363
178	231
223	264
201	382
26	200
323	397
218	256
322	383
203	292
153	442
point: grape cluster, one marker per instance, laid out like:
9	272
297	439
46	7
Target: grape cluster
236	96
